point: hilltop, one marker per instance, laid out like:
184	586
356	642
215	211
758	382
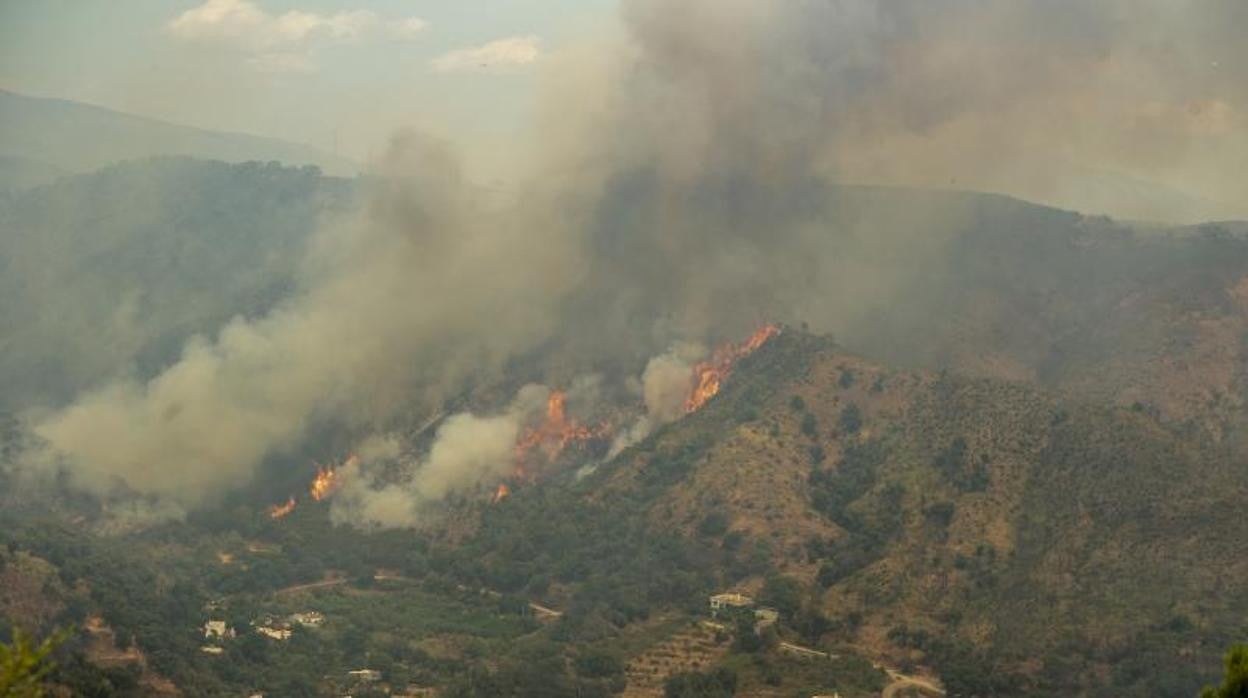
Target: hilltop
57	134
1002	537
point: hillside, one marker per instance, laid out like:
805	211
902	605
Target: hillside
80	137
113	270
980	528
983	533
1016	469
1086	307
18	173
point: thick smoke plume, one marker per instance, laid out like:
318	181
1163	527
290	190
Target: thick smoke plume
684	192
665	387
468	451
398	305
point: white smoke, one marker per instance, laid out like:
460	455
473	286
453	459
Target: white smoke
665	386
693	179
421	289
468	452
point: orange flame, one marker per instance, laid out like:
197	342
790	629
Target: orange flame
328	479
710	374
556	432
501	493
278	511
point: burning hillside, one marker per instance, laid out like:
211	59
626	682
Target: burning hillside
557	431
542	431
279	511
709	375
328	479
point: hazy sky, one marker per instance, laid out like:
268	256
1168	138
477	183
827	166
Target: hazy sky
1136	108
334	73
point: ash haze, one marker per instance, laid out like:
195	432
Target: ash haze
665	172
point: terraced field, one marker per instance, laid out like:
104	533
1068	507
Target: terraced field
693	649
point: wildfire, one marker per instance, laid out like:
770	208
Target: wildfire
327	480
710	374
278	511
556	431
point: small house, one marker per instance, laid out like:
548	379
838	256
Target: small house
217	630
365	675
308	619
281	634
728	600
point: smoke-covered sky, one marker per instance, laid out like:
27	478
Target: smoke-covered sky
671	186
1130	107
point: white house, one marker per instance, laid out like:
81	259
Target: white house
274	633
218	630
308	619
729	600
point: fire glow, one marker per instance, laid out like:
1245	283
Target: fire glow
328	480
278	511
709	375
556	432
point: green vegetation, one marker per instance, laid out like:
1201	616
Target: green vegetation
851	419
720	683
957	466
1235	680
25	665
629	553
810	425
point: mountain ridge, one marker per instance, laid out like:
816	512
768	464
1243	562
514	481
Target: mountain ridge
80	137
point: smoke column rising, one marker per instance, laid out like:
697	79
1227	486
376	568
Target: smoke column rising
682	193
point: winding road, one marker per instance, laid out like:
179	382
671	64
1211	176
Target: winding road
901	682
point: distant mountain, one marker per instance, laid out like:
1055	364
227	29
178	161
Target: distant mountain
115	269
18	173
80	137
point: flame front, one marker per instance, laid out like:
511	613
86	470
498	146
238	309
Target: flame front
709	375
278	511
556	431
328	479
501	493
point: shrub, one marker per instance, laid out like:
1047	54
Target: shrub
810	425
692	684
851	419
817	454
715	524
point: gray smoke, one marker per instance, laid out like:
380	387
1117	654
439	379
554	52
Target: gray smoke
665	387
399	305
468	451
682	193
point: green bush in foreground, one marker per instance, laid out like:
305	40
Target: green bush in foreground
1235	683
23	665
